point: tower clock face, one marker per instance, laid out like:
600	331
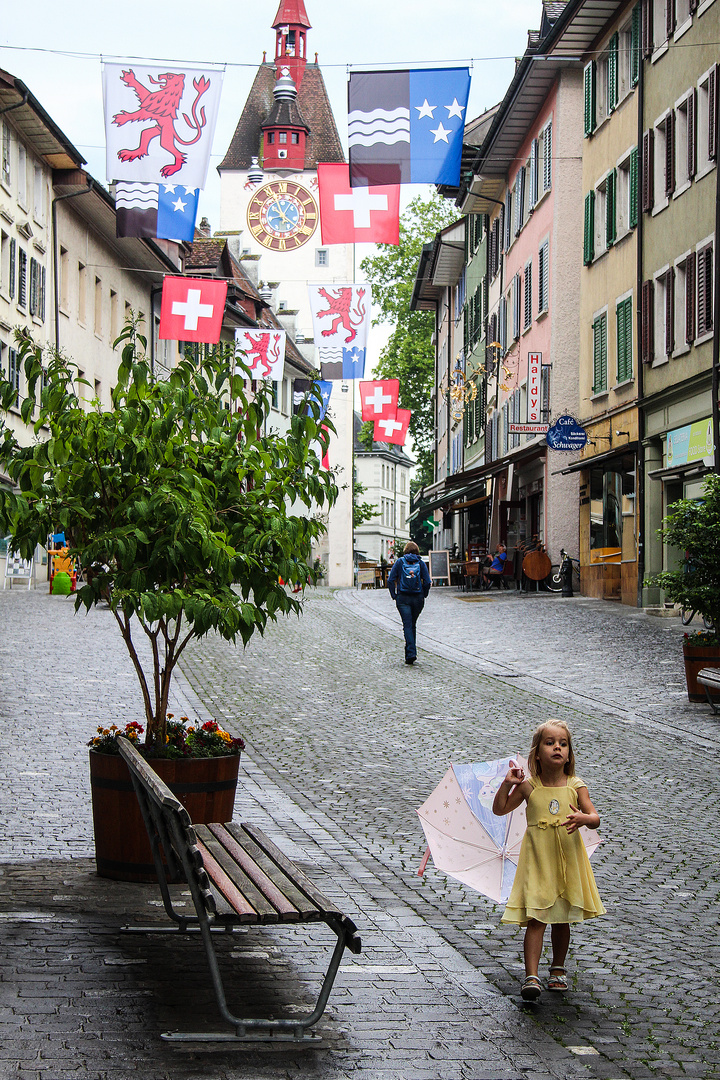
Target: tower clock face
282	215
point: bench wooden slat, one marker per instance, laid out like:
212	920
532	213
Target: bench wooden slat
293	872
283	878
277	897
246	913
709	677
254	896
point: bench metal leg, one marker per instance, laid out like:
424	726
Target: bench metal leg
712	702
253	1029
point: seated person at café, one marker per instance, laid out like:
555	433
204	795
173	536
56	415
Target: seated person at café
497	566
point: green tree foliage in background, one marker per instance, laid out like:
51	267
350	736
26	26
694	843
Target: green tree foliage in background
409	354
177	510
362	511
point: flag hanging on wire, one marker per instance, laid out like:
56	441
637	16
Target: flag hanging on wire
159	123
393	429
406	127
358	215
303	393
263	351
164	211
341	318
192	309
379	398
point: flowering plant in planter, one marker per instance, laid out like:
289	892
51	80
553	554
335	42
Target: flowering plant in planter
180	513
185	739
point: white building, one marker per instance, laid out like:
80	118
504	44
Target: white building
384	472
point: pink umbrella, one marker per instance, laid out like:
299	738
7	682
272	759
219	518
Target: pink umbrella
467	841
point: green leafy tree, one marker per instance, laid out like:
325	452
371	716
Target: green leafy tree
693	527
362	511
409	354
174	506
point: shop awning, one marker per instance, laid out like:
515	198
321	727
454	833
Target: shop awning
681	472
599	459
445	499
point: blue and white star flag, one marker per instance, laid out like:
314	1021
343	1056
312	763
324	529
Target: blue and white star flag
163	211
325	392
406	127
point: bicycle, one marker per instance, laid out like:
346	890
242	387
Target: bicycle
688	614
554	580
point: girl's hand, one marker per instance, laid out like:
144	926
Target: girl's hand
574	819
515	774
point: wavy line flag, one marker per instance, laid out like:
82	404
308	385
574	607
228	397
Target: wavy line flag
162	211
160	122
406	127
341	318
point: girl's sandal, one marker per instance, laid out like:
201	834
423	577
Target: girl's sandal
531	988
558	979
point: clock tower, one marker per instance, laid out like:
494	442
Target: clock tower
270	214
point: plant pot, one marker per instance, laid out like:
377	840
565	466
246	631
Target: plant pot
205	786
697	657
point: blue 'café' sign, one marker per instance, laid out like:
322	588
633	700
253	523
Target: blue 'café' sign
566	434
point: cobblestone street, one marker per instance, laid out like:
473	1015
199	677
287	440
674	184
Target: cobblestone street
344	743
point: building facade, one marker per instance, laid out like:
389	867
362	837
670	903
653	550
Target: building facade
384	472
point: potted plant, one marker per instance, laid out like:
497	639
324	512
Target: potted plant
179	513
693	526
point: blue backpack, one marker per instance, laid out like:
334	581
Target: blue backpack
410	579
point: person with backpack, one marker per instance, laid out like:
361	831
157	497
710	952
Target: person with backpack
409	584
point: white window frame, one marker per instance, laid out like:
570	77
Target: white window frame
660	357
705	164
659	28
624	61
629	295
683	18
660	199
680	312
622	195
683	180
600	218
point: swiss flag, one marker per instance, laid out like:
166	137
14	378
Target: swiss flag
379	398
393	429
192	309
359	215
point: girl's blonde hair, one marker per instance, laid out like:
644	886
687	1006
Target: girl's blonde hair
533	757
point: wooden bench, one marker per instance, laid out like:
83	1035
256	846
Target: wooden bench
237	877
709	677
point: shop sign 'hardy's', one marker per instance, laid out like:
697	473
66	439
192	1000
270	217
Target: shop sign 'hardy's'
179	511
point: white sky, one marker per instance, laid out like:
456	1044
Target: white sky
376	33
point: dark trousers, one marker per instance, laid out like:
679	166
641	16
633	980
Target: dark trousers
409	605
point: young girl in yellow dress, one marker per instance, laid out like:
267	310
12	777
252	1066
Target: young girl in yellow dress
554	883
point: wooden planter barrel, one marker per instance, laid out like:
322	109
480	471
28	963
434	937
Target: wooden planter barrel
205	786
696	658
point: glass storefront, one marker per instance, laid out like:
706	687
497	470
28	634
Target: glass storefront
612	510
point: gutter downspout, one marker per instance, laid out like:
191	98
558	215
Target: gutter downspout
640	499
57	199
17	105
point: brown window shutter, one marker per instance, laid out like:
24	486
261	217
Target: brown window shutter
647	170
690	298
670	153
669	311
691	134
669	17
712	112
647	28
701	293
647	322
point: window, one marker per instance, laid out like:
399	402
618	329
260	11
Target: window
22	176
34	286
532	174
274	393
683	316
612	508
282	137
5	262
704	269
663	161
502	324
82	292
610	208
64	282
98	390
527	320
114	304
516	297
12	258
662	334
546	156
628	60
270	137
647	345
6	145
600	240
508	219
590	89
98	307
38	195
707	105
22	278
543	277
624	328
599	329
684	142
295	137
519	200
626	194
322	257
648	185
14	373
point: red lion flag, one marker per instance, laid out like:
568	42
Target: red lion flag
192	309
360	215
379	398
263	351
393	429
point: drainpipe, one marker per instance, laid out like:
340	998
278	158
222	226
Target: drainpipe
640	492
17	105
57	199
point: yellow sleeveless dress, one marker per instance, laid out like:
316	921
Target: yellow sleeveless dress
554	882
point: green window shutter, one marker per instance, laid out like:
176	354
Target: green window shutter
600	355
613	73
589	76
635	46
610	200
624	340
633	217
589	240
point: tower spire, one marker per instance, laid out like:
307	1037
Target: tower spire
291	25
